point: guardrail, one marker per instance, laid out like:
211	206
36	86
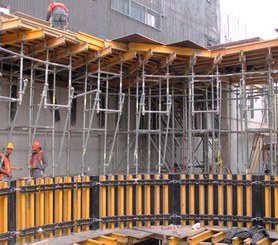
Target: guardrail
38	208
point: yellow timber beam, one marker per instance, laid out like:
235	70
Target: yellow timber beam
116	45
92	57
168	49
72	50
22	36
145	59
121	238
107	240
203	236
264	241
174	241
246	47
50	44
218	237
90	39
147	56
165	62
91	242
11	24
130	55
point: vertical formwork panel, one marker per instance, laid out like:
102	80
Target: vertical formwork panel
165	199
229	200
191	199
85	202
30	210
111	202
4	211
157	205
147	200
249	204
67	204
175	199
267	200
121	208
234	199
49	210
183	199
129	201
58	204
139	203
40	208
220	200
94	202
77	202
21	211
257	198
210	200
103	201
201	198
276	200
12	210
239	200
135	199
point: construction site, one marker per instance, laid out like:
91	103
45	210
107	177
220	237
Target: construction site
144	140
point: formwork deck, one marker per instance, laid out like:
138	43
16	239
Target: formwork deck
170	234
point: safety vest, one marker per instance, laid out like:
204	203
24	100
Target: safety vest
37	158
7	166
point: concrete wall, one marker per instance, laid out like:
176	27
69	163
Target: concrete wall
197	21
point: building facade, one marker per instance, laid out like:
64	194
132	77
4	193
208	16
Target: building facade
162	20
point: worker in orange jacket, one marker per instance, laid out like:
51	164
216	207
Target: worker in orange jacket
38	162
57	14
6	168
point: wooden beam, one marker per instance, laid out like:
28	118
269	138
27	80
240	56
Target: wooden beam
72	50
218	237
55	42
203	236
147	56
92	57
168	49
246	47
11	24
145	59
52	43
168	61
116	45
79	48
90	39
22	36
130	55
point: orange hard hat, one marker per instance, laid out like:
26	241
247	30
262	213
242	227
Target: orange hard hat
36	145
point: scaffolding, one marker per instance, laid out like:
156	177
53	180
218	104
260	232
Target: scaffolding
128	107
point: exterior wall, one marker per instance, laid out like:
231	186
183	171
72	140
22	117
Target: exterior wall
197	21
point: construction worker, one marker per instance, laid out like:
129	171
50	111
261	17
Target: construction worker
38	162
6	168
57	14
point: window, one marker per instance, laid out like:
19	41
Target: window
121	6
13	104
138	11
